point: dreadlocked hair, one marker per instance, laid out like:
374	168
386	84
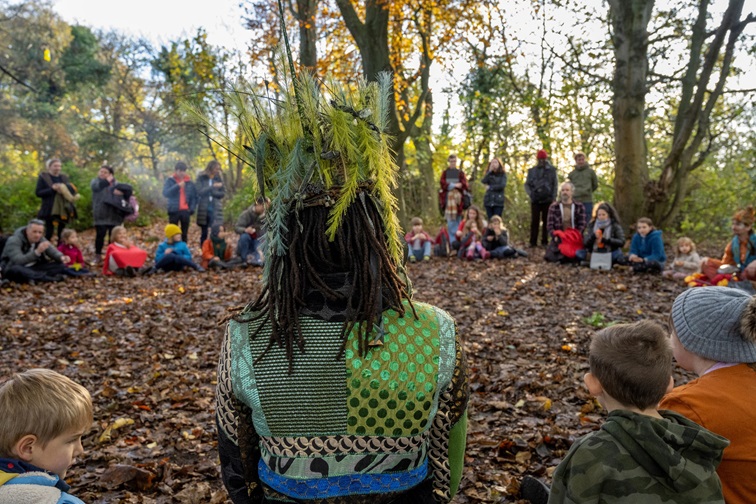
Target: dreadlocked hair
358	249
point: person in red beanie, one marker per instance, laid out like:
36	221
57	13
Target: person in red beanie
541	186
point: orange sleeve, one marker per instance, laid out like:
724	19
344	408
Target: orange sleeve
678	405
207	250
728	258
229	253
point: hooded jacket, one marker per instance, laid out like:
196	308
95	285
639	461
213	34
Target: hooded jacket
19	251
21	483
638	458
649	247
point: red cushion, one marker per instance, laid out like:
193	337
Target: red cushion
134	257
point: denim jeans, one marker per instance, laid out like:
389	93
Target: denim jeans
248	246
420	253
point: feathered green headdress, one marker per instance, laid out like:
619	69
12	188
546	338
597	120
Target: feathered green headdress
318	144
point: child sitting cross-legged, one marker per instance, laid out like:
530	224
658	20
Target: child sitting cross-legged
418	241
69	246
45	415
496	240
646	248
217	252
686	262
640	454
471	245
122	257
173	254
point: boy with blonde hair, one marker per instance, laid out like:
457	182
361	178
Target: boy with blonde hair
45	414
640	454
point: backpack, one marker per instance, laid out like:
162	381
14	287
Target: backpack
543	192
441	247
134	204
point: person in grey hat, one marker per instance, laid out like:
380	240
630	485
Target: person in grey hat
714	336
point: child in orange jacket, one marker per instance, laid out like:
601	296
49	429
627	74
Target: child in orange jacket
216	251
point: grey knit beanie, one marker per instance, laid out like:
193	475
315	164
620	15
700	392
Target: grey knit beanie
718	323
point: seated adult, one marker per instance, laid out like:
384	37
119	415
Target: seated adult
740	252
714	336
28	255
565	224
605	234
250	226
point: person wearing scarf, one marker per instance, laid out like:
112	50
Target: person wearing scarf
605	233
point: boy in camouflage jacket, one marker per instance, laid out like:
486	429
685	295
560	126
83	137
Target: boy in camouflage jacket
640	454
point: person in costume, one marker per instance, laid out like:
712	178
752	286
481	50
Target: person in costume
333	385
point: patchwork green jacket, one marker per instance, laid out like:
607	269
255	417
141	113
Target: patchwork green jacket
639	459
388	426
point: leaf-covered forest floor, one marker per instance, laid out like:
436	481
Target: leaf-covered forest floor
147	348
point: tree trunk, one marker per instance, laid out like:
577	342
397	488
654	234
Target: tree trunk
698	100
308	33
630	20
424	156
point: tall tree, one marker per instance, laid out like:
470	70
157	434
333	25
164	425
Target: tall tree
708	64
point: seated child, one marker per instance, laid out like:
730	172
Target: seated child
217	252
418	241
640	454
496	240
686	260
70	247
173	254
45	415
646	248
714	336
471	245
122	257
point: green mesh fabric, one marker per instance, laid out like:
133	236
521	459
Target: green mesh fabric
316	385
393	389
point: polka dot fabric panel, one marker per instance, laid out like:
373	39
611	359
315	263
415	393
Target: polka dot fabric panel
392	390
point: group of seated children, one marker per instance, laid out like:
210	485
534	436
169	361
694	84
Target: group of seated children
474	239
694	443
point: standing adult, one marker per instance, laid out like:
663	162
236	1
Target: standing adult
210	192
584	178
57	194
106	217
496	180
182	198
453	187
541	187
28	255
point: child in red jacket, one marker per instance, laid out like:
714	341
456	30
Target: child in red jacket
418	241
69	246
122	257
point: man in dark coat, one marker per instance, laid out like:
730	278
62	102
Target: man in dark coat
106	217
28	255
182	198
541	186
